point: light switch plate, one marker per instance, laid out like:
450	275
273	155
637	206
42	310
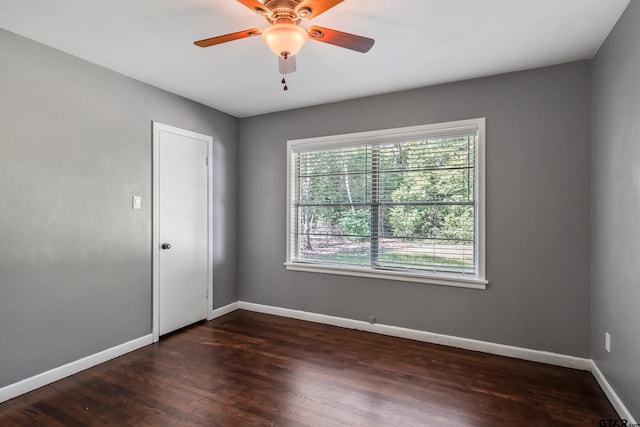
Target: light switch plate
136	202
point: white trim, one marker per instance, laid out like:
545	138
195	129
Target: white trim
433	279
459	342
55	374
218	312
424	336
155	251
155	242
210	227
287	254
611	394
480	183
458	127
29	384
461	127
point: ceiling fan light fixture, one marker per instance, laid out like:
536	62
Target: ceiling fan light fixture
285	39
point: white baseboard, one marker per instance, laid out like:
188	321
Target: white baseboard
611	394
430	337
48	377
224	310
466	343
37	381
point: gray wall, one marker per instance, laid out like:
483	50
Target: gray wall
616	208
538	222
75	260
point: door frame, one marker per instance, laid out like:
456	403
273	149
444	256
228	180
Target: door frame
155	240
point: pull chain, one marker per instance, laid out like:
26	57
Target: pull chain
285	55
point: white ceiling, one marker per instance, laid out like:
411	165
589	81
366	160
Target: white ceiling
418	43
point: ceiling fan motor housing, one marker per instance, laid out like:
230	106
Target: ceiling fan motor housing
286	9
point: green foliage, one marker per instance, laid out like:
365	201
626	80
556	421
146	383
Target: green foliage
458	223
357	223
425	190
434	176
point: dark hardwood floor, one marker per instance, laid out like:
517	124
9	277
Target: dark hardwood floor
250	369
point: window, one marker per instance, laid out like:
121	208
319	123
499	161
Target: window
403	204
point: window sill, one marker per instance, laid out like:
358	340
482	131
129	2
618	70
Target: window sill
440	279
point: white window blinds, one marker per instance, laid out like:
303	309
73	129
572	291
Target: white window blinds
395	203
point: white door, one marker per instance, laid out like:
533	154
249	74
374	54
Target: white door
181	228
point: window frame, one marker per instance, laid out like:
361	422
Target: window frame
477	281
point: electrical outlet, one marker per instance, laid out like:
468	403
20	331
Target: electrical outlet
372	319
607	342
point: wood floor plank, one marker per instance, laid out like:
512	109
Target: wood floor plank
251	369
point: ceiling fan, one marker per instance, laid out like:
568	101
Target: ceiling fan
285	37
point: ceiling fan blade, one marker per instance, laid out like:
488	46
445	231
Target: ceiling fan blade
256	6
287	66
228	37
338	38
309	9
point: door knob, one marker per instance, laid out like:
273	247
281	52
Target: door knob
166	246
